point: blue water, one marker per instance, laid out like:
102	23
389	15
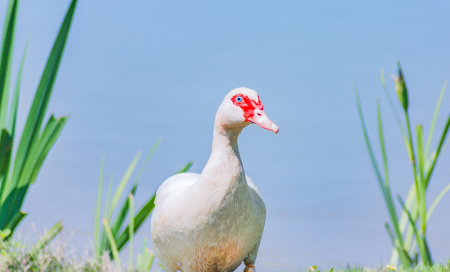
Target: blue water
137	70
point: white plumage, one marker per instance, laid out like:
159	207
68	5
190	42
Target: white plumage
214	221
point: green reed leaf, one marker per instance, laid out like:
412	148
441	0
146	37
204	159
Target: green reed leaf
436	201
139	219
97	219
15	100
438	151
114	251
423	247
123	183
131	230
41	99
433	122
384	190
6	59
185	168
382	144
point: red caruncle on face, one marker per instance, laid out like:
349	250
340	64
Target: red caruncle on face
247	104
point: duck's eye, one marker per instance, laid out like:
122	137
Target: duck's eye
239	99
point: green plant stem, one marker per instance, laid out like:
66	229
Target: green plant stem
411	153
419	188
420	159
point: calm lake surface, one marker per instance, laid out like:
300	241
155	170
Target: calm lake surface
136	71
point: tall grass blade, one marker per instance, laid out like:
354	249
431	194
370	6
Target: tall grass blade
140	257
51	233
369	147
382	144
445	146
185	168
404	256
391	236
122	214
104	240
6	59
436	201
108	197
123	183
5	73
150	259
147	160
420	153
423	247
34	145
438	151
145	259
140	218
400	250
48	138
34	162
124	210
412	193
6	143
4	233
114	250
7	18
386	193
15	100
422	188
131	230
97	219
433	122
15	220
42	96
418	207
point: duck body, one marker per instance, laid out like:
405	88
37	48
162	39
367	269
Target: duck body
212	221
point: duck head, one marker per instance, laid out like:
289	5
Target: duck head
242	107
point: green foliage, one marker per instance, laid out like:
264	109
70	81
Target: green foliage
16	256
389	268
114	234
145	258
409	229
16	175
47	238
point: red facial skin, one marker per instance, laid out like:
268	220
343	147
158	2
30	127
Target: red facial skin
248	105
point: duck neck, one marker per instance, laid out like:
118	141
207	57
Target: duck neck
224	172
225	143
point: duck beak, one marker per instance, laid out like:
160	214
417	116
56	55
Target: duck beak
260	118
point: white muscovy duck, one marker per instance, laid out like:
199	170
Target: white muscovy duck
215	220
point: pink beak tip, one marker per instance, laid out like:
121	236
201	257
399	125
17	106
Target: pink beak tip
275	128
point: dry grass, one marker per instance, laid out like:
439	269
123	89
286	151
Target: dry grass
16	256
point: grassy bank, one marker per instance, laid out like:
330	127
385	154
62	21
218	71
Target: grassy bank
17	256
59	257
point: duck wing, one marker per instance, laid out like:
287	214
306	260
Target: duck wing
254	192
174	186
